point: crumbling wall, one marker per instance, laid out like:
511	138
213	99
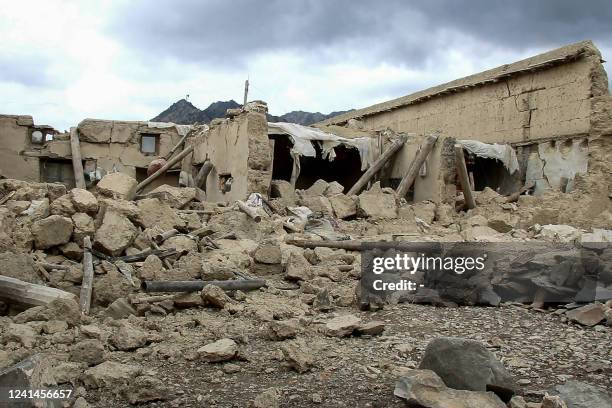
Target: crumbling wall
15	133
239	150
544	96
116	145
433	182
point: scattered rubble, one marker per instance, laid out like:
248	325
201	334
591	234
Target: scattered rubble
303	323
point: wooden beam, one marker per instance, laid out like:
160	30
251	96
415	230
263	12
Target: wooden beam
200	179
463	177
163	169
88	275
77	163
377	165
30	294
415	166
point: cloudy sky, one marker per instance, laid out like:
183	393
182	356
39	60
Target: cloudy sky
62	61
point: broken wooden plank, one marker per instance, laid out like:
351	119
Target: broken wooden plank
7	197
463	177
88	275
176	146
160	238
77	163
377	165
250	211
415	166
349	245
163	169
50	266
30	294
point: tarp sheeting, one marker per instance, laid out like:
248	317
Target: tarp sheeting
503	153
304	136
182	130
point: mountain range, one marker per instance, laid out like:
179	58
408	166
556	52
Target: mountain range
185	113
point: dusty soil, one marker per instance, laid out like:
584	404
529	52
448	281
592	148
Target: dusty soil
539	349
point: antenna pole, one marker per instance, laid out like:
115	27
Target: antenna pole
246	92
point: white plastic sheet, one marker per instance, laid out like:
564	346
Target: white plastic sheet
503	153
304	136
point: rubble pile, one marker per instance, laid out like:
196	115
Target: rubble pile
256	297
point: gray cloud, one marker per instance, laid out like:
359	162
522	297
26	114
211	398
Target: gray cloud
27	70
229	33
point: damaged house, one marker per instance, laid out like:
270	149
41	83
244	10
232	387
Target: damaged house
533	123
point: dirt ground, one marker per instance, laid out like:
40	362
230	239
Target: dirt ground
537	347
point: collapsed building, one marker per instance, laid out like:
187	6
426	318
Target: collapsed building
258	227
540	120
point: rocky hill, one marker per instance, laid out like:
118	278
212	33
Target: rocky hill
184	112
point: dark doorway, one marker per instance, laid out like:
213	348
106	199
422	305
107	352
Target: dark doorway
57	171
345	168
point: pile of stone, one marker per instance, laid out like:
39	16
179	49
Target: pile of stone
168	234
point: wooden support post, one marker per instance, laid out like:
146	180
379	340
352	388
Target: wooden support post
30	294
200	179
250	211
463	177
377	165
88	275
176	147
50	266
348	245
77	163
415	166
163	169
160	238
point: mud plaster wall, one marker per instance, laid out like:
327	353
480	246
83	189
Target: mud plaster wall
530	106
115	145
435	184
549	163
238	147
563	100
15	133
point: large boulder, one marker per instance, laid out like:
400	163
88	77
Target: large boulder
83	200
425	389
588	315
155	213
117	185
466	364
115	234
52	231
83	226
377	204
175	197
344	206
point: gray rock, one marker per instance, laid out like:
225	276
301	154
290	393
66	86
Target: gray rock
425	389
466	364
89	351
52	231
218	351
146	389
577	394
588	315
